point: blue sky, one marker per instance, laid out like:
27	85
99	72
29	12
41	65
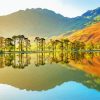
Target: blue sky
68	8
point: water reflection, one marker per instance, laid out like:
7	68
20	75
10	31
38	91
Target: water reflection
67	58
46	70
15	60
88	62
40	59
66	91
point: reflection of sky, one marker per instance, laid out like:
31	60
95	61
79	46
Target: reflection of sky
67	91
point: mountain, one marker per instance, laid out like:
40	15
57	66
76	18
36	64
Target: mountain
94	20
88	34
87	19
43	22
92	13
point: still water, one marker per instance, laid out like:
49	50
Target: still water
50	76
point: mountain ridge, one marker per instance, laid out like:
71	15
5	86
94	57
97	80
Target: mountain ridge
41	22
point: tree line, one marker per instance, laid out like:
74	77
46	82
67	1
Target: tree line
21	43
15	43
64	45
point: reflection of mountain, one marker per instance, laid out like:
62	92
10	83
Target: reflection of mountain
89	63
46	77
43	22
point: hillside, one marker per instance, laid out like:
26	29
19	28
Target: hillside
33	22
95	20
43	22
89	34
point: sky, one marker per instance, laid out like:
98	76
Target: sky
68	8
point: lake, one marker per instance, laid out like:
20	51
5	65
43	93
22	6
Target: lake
50	76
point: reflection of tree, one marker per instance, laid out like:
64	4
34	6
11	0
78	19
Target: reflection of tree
70	57
40	59
77	56
66	57
8	59
15	60
61	57
56	57
53	57
28	58
21	60
2	61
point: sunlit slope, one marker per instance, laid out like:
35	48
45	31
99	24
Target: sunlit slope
89	34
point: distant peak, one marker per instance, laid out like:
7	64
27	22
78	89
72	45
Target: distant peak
92	12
